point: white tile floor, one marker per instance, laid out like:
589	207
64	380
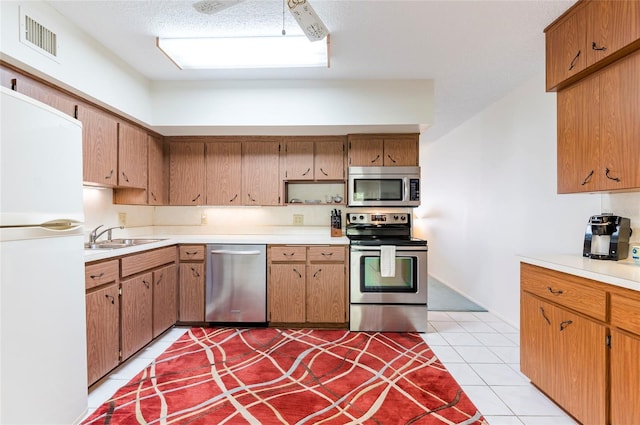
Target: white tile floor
479	350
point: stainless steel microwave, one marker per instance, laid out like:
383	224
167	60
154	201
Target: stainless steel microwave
384	186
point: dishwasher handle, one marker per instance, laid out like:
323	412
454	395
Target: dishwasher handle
229	252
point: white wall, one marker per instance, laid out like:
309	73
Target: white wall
489	194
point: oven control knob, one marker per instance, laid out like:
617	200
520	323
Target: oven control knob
354	217
403	218
361	217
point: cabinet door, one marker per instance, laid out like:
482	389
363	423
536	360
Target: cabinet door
625	378
620	125
287	293
401	151
186	173
329	160
579	137
157	178
299	160
260	173
44	93
165	310
366	152
103	332
137	312
223	162
565	356
99	146
565	48
326	293
612	25
191	292
132	156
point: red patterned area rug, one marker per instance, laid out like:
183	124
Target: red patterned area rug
274	376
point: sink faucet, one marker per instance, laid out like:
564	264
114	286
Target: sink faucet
94	235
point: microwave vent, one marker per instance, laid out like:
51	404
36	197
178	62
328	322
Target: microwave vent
40	37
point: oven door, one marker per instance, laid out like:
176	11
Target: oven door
407	286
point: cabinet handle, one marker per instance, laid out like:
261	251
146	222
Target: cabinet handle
392	160
306	172
555	292
573	62
145	283
288	254
110	175
323	172
191	252
594	46
327	254
125	177
587	179
234	198
606	173
14	84
545	316
250	198
317	273
160	279
196	198
195	272
563	325
299	275
110	298
375	159
97	276
75	112
153	195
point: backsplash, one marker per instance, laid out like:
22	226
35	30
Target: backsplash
625	205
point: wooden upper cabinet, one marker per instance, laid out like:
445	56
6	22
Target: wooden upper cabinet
158	163
299	160
578	136
261	172
383	150
590	34
186	173
99	146
620	124
132	156
223	164
329	159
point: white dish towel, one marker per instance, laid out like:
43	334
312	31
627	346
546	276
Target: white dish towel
387	260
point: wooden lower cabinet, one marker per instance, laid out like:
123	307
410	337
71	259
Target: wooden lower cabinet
137	313
307	285
165	297
191	287
580	344
103	331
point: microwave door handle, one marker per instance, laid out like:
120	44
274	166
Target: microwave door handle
405	191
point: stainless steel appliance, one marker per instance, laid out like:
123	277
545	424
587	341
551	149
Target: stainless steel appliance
388	282
236	290
384	186
607	237
42	306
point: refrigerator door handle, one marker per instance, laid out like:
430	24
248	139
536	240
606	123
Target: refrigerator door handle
61	225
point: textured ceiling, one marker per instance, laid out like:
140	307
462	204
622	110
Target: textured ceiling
476	51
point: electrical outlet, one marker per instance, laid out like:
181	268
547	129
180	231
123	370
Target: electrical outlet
298	219
203	218
122	219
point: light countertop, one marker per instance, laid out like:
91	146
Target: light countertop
624	273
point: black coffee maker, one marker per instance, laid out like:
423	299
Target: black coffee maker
607	237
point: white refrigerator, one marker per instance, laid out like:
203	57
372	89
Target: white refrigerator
43	361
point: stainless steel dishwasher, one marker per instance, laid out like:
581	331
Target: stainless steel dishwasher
236	283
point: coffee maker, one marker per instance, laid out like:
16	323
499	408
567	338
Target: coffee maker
607	237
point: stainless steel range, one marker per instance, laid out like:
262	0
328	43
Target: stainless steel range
388	282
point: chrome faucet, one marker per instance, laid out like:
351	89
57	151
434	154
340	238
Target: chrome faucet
94	235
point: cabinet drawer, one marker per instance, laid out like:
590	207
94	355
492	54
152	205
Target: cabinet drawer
96	274
288	253
191	252
567	290
625	313
147	260
326	253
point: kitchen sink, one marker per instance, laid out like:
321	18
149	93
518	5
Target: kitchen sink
119	243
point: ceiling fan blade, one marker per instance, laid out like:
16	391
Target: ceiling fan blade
211	7
308	19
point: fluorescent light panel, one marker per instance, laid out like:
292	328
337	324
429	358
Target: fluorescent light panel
245	52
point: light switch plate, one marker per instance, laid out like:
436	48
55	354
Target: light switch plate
122	219
298	219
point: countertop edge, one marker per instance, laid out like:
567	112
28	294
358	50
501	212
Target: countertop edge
624	274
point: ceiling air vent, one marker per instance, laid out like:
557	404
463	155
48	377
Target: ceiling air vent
38	36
